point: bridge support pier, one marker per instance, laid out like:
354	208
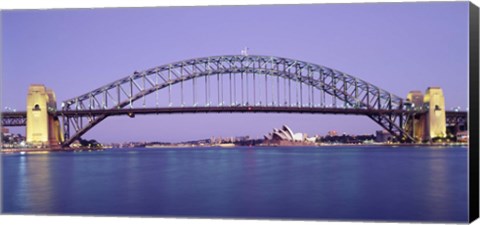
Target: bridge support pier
435	119
431	124
43	128
416	121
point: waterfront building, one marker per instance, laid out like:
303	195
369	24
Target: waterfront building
462	136
285	136
382	136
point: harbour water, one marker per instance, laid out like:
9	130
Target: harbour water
305	183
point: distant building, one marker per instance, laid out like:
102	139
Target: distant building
462	136
242	138
285	136
5	130
332	133
382	136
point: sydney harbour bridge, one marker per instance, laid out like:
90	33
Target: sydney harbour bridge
234	84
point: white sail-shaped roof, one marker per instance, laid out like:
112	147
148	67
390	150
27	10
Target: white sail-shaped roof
288	131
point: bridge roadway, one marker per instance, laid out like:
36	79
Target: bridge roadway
20	118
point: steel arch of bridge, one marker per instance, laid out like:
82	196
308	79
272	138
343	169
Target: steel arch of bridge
383	107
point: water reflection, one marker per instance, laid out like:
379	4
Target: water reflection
34	178
22	185
418	184
441	194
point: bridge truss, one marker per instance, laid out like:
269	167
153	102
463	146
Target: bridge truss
236	81
14	119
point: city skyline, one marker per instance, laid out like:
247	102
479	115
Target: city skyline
398	47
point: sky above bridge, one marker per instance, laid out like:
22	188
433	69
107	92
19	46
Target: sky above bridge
397	46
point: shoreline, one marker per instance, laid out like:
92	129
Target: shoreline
46	150
50	150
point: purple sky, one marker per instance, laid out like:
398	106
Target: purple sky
396	46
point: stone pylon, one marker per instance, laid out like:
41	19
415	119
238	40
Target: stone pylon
43	128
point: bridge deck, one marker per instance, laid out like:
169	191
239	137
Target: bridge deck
19	118
230	109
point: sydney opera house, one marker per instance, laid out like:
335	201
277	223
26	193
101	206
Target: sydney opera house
285	136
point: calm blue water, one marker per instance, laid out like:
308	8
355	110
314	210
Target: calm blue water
327	183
